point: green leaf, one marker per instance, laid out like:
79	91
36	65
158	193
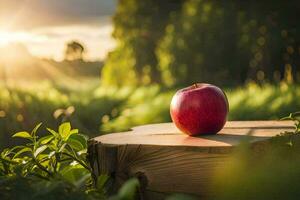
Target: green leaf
128	190
62	147
286	118
73	173
33	132
24	150
51	154
65	130
46	139
52	132
39	150
14	149
23	134
101	180
75	144
78	141
83	151
83	180
74	131
5	153
43	159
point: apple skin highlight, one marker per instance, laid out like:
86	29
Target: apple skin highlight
199	109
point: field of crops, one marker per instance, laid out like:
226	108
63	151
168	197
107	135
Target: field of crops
95	110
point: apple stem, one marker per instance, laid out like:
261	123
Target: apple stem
195	85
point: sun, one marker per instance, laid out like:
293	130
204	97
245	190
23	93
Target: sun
13	48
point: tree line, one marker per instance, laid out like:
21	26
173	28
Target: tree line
176	42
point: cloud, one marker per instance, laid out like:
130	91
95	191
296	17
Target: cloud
31	14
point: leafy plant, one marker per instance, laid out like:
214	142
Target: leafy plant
55	160
127	191
53	166
58	154
296	118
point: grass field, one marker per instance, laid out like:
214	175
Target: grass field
95	110
250	102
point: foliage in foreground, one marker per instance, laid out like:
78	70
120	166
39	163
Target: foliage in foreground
53	166
269	173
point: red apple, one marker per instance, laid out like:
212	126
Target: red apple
199	109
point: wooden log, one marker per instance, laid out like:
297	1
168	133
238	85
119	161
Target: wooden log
167	161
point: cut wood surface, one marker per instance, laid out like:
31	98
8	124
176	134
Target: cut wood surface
168	135
168	161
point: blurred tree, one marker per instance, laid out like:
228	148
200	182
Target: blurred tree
269	35
193	48
74	51
138	27
231	42
223	42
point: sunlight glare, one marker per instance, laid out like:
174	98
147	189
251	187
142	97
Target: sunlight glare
7	37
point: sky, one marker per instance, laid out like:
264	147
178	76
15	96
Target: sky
44	26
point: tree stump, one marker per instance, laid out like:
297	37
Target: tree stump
167	161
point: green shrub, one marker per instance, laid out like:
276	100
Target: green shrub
47	166
53	166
